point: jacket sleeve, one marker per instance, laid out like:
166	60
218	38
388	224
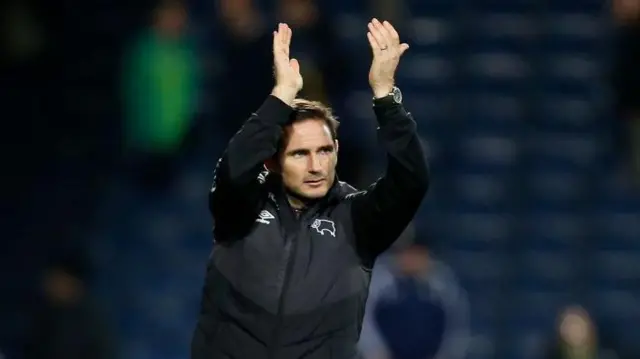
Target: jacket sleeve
236	191
382	212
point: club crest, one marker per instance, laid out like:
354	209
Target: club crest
324	226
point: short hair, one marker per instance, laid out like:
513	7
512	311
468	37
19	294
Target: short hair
306	109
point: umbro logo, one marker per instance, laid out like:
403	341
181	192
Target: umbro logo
324	226
262	177
265	217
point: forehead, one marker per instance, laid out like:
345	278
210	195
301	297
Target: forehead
308	134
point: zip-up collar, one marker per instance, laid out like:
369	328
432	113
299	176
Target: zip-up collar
334	194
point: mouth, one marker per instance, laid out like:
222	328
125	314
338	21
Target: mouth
314	182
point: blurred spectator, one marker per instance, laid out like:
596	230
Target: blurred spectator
67	324
22	35
324	63
627	76
395	12
245	47
578	338
415	309
160	90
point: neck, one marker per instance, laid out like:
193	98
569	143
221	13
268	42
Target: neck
167	33
297	203
579	352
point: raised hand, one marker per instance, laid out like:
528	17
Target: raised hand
287	70
387	49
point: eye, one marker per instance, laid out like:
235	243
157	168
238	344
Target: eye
298	154
326	150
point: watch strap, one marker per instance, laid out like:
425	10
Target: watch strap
387	100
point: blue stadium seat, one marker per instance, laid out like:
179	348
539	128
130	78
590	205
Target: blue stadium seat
553	231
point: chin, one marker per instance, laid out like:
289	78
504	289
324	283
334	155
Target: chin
315	193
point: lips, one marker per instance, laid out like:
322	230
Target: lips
314	182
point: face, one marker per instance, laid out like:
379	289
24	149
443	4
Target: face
575	327
413	260
308	161
172	19
61	287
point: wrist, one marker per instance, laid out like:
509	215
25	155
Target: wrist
285	94
382	91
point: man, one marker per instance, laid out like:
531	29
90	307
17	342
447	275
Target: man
627	80
294	247
67	324
416	309
578	337
160	89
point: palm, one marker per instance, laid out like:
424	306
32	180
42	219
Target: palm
387	50
287	70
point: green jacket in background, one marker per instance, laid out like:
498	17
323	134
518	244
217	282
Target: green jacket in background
160	78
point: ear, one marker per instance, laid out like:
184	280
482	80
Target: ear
336	151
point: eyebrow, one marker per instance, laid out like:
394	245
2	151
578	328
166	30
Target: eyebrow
306	150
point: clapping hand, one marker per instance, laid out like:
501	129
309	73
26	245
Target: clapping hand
387	49
287	70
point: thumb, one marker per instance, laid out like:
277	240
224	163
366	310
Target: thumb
295	65
403	48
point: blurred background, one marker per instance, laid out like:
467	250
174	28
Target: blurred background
115	113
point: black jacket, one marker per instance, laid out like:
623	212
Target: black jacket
282	287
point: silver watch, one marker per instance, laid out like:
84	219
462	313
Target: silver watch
394	96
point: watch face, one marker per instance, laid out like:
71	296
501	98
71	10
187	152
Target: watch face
397	95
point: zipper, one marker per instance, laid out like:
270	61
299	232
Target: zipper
285	288
290	226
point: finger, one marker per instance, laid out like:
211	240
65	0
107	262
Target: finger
403	48
281	43
277	37
393	34
373	43
282	31
276	41
385	34
377	36
295	65
287	36
280	49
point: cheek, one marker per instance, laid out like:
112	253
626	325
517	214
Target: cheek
330	162
293	171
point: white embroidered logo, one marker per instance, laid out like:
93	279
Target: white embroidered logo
264	217
355	194
262	177
215	176
324	225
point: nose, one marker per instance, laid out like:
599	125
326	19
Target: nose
314	164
